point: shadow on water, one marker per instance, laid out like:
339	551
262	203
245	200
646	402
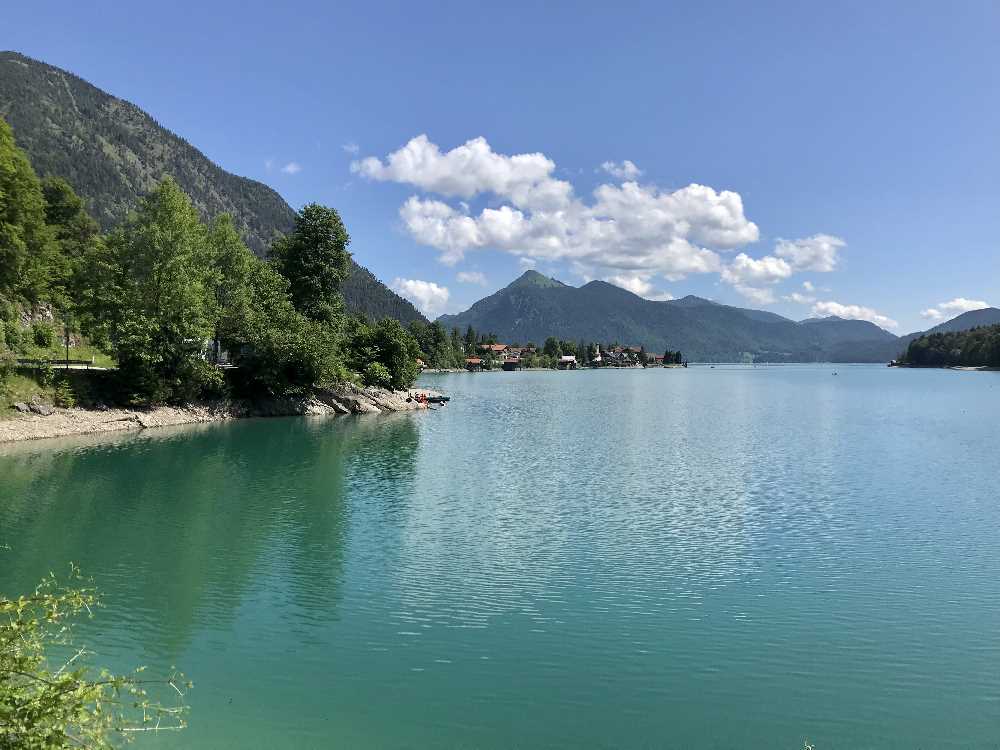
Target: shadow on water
182	528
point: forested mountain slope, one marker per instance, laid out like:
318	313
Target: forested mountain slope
112	153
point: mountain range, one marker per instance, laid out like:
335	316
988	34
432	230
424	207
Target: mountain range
113	153
534	307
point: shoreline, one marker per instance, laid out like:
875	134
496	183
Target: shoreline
339	400
956	368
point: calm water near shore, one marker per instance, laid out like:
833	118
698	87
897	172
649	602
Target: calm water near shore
703	559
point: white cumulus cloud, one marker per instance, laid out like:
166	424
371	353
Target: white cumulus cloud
953	307
624	228
799	298
468	170
625	170
853	312
640	284
743	270
471	277
817	253
808	286
292	167
430	298
351	148
757	295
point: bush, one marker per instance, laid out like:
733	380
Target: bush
12	336
288	355
378	374
8	363
52	705
64	396
42	335
386	343
46	375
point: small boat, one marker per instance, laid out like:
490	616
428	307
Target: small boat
423	398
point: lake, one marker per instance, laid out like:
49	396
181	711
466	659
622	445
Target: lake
704	558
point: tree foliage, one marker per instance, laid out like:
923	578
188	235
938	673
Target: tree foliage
113	161
388	344
50	699
157	304
314	259
978	347
170	296
27	243
439	349
279	350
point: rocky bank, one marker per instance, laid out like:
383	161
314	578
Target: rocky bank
37	421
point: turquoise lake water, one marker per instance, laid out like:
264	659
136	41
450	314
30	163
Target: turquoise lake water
701	558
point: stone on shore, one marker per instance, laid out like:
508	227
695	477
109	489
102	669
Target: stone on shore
37	420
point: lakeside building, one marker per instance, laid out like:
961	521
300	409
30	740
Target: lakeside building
567	362
511	364
621	357
496	350
473	364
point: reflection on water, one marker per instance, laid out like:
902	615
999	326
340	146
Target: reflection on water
703	559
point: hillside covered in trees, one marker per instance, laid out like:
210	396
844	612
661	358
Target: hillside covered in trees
112	154
170	296
534	307
979	347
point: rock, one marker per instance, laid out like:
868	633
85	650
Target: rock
22	407
43	410
362	406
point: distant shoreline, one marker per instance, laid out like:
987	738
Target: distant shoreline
957	368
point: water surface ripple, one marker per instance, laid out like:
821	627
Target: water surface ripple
727	558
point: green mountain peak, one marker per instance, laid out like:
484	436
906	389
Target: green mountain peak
533	278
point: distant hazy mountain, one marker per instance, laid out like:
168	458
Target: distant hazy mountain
839	330
112	153
535	306
974	319
986	317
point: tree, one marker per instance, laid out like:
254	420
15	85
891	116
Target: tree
77	234
279	350
44	706
551	348
315	260
156	298
232	288
388	343
977	347
436	348
27	243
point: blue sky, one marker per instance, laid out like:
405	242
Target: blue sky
850	147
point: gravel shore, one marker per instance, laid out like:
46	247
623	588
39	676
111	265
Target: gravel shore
346	399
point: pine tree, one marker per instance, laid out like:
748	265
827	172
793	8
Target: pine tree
315	260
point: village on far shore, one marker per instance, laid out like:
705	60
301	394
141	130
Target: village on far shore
512	357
